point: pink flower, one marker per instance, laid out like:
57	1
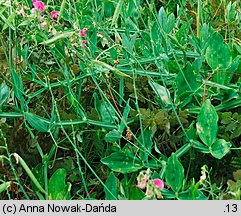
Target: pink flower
158	183
38	5
54	15
83	32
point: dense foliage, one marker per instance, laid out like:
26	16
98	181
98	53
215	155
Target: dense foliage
120	99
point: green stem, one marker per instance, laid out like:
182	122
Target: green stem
198	18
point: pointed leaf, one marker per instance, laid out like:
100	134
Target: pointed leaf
37	122
125	117
17	85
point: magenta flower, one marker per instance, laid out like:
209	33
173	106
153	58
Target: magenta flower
158	183
54	15
38	5
83	32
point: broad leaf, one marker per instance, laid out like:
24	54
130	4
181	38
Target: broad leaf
186	81
166	22
145	143
174	173
136	193
58	189
217	53
112	183
107	113
220	148
112	136
122	162
161	92
207	126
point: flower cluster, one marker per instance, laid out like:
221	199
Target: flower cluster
83	34
153	186
40	6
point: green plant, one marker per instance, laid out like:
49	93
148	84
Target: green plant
96	95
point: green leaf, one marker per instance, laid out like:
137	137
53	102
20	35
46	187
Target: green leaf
62	7
17	86
37	122
204	35
207	126
220	148
9	22
117	12
192	194
4	186
107	113
233	67
58	189
218	55
191	132
38	172
161	92
166	22
109	9
112	183
112	136
122	162
174	173
168	194
186	81
146	144
162	17
136	193
154	164
4	93
125	116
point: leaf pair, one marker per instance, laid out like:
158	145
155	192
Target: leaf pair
207	129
